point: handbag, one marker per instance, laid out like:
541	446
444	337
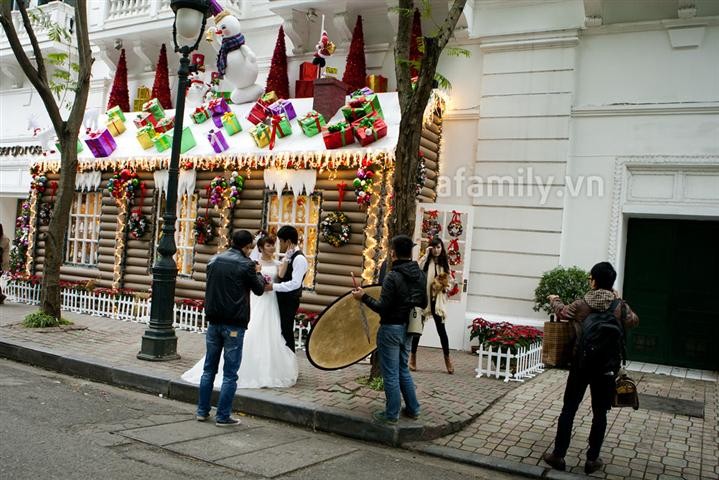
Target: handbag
558	343
416	321
625	389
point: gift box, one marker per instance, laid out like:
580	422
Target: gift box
188	140
200	115
269	98
279	127
312	123
101	143
283	106
143	119
145	135
377	83
260	133
115	112
79	146
198	60
259	113
217	120
358	107
308	71
369	129
337	135
214	78
165	125
162	141
116	126
231	123
153	106
217	140
218	106
360	92
143	95
304	88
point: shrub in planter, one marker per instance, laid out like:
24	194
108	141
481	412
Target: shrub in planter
43	320
569	283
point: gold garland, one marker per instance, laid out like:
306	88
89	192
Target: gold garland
30	252
119	243
370	236
223	240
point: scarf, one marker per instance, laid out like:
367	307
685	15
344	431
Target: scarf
229	44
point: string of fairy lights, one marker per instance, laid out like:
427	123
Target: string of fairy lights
368	254
119	242
30	252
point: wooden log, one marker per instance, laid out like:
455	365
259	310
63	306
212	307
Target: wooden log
190	284
348	205
140	279
107	225
190	293
109	252
133	270
331	290
205	249
426	192
335	269
103	283
249	205
431	146
354	260
312	308
434	128
428	154
202	259
431	136
106	259
252	225
137	261
106	234
312	298
107	242
339	175
431	165
325	279
199	276
247	215
138	287
344	250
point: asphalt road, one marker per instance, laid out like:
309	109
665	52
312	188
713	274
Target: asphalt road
58	427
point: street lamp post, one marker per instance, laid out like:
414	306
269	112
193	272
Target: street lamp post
159	342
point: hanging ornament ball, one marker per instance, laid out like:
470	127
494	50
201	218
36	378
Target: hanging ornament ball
369	174
357	183
135	182
43	179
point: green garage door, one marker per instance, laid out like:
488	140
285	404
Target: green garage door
671	280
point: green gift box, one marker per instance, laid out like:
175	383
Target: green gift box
145	136
231	123
200	115
188	140
163	141
115	112
79	146
260	133
281	125
153	106
359	107
312	123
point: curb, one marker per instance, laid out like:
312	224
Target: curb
259	403
492	463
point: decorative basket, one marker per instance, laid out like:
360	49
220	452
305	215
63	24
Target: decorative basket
558	343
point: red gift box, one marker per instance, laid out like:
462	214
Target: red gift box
144	119
198	60
259	112
304	88
308	71
369	129
337	138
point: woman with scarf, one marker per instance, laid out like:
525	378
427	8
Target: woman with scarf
436	266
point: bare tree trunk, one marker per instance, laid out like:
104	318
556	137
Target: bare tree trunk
67	132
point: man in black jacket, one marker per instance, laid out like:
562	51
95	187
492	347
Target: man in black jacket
230	278
403	288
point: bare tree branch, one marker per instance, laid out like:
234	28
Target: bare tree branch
449	23
27	67
39	61
401	52
85	61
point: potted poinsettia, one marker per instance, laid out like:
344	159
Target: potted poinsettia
569	284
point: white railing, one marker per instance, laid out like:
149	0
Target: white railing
118	10
41	18
188	317
498	362
23	292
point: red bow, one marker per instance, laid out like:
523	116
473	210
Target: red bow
456	216
53	188
276	119
341	187
432	213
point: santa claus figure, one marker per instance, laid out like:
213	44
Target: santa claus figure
324	48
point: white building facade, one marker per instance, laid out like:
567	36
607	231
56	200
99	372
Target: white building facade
577	131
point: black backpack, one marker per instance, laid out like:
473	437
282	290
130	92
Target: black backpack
601	343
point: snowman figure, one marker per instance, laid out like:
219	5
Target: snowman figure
197	92
236	62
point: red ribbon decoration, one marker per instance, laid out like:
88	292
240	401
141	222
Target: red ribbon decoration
53	188
275	120
143	191
433	214
456	216
341	187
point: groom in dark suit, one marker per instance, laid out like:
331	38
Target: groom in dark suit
289	288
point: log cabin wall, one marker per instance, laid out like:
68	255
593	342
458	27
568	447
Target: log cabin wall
430	146
139	254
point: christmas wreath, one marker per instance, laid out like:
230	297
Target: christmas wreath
453	254
217	188
204	229
335	229
136	225
123	184
455	227
430	225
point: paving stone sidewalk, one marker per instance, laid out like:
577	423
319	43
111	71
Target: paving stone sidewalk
644	444
448	401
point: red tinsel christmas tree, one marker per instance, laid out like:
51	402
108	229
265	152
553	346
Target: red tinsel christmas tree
414	52
277	79
161	87
119	95
355	69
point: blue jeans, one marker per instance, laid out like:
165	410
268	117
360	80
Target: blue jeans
219	338
393	347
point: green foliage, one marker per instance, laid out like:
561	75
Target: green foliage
458	52
376	383
57	58
43	320
569	283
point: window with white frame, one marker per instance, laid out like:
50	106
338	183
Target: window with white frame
84	229
184	231
301	212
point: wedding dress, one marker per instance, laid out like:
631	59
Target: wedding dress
266	360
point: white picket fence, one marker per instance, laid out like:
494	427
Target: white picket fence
497	362
124	307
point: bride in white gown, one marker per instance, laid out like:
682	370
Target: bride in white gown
266	360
